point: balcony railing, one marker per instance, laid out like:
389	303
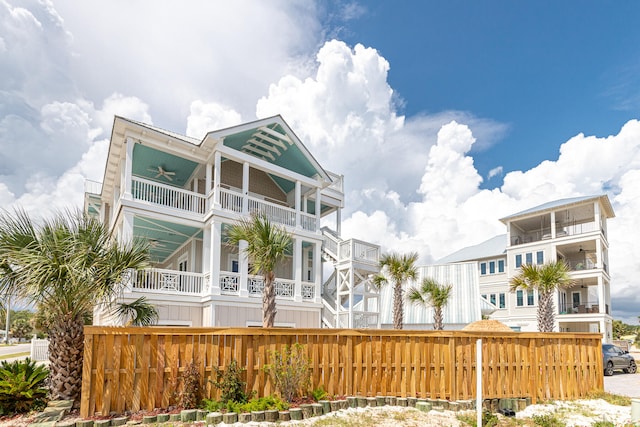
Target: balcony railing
361	320
168	196
587	307
167	281
545	233
359	251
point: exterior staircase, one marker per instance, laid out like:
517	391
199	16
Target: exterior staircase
349	298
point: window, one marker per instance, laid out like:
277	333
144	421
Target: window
529	258
483	268
492	299
518	260
484	296
539	257
519	298
492	267
502	301
500	266
489	267
530	297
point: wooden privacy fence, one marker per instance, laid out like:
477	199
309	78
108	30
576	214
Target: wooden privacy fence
130	368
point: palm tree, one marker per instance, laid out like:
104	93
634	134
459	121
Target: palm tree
267	245
398	268
137	313
432	294
545	278
67	264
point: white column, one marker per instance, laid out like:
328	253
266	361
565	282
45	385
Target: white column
338	222
601	301
599	260
318	208
215	244
596	213
317	269
553	225
206	251
245	187
127	227
208	172
298	187
128	166
243	267
297	268
191	265
216	180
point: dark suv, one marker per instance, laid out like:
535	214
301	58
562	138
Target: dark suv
616	358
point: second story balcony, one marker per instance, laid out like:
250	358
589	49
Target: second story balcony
230	200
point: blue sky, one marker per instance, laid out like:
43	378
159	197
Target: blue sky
547	69
415	102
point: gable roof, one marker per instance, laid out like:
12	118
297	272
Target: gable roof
496	246
549	206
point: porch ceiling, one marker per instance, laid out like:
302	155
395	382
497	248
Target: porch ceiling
164	237
161	167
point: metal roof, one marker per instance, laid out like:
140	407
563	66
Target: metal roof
496	246
549	206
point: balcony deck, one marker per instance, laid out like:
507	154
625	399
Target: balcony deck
167	196
172	282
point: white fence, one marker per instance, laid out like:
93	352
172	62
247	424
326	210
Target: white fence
39	350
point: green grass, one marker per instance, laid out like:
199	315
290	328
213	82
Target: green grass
27	353
614	399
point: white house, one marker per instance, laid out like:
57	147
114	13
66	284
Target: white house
182	195
573	230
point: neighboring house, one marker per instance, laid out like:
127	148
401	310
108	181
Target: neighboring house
573	230
464	306
182	194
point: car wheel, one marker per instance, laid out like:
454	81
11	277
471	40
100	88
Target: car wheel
632	369
608	371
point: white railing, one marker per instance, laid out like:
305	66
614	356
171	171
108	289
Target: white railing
92	187
360	251
337	183
230	200
308	290
229	283
166	195
275	213
360	320
284	288
169	281
308	221
39	350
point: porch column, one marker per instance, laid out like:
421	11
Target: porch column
317	269
214	244
245	188
298	187
127	227
553	225
128	165
297	268
338	222
596	214
216	180
601	302
208	172
599	260
243	267
318	208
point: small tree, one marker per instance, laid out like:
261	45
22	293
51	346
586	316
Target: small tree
267	245
398	269
432	294
291	371
546	279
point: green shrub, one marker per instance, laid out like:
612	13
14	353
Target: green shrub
318	394
547	420
603	424
256	404
290	371
230	383
22	386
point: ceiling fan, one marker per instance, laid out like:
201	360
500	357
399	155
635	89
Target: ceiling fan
161	172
